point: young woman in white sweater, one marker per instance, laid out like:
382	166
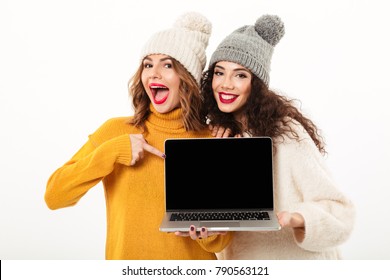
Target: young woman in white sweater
316	217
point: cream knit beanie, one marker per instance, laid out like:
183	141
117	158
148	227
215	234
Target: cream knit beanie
186	42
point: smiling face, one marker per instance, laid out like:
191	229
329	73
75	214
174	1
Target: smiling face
161	82
231	87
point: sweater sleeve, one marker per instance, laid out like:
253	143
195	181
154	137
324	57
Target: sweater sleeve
85	169
328	213
215	243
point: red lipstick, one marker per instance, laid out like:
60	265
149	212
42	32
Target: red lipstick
160	92
227	98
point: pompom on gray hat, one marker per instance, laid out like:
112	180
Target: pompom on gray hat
186	42
252	46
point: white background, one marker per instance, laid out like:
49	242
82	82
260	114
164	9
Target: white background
64	67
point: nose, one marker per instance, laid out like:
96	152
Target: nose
227	83
154	73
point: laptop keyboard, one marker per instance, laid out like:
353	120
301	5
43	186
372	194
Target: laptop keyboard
219	216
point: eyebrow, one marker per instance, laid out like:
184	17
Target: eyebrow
235	69
162	59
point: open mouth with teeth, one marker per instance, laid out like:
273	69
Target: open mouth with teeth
227	98
160	93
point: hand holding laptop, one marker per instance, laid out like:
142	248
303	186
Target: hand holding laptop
201	233
295	221
286	219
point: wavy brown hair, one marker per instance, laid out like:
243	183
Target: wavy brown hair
190	99
268	113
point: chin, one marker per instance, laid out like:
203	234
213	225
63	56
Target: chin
162	108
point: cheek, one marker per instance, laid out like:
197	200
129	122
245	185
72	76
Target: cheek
247	91
173	79
176	82
214	84
144	79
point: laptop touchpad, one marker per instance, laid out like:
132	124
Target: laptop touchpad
220	224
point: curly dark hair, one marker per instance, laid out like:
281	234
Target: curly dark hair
268	113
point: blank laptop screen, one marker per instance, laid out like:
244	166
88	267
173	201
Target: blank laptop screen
219	173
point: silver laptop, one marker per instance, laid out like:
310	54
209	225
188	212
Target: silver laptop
224	184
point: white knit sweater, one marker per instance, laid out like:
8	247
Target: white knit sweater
303	184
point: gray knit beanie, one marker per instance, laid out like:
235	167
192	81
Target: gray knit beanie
252	46
186	42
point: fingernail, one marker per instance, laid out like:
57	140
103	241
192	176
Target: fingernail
192	228
163	156
203	229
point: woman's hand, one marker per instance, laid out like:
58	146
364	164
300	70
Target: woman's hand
138	147
220	132
203	233
295	221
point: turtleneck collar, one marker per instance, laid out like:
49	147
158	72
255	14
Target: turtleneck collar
171	120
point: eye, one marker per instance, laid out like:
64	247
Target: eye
218	73
168	65
242	75
148	65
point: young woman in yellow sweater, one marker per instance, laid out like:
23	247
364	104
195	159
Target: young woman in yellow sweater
125	152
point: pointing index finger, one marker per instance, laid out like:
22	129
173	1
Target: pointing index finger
153	150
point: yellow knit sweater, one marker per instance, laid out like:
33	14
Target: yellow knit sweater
134	194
